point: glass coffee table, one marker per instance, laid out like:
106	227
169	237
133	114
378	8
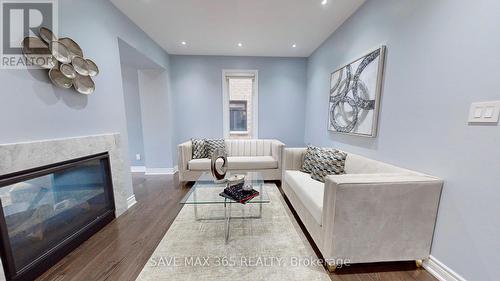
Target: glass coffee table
206	192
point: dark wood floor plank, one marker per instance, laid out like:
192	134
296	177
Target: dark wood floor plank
387	271
421	275
121	249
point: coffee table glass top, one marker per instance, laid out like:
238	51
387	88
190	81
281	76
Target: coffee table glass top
205	191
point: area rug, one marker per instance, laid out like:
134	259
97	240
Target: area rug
270	248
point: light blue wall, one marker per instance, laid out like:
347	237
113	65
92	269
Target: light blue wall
133	114
147	108
441	56
197	94
32	109
156	118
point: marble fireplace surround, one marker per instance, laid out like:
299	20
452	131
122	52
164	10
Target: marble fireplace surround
22	156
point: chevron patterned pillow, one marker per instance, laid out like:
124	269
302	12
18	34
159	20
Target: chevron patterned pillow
213	144
310	158
327	162
199	148
307	165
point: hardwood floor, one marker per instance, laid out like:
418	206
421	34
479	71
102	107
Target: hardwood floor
122	248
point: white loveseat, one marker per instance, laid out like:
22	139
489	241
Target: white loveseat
375	212
243	155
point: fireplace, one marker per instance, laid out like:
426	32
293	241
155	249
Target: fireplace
46	212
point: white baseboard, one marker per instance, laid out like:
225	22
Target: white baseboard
153	171
160	171
131	201
441	271
138	169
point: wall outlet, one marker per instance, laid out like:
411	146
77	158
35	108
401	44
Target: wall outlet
484	112
137	157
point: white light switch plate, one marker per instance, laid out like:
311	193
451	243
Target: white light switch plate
484	112
489	112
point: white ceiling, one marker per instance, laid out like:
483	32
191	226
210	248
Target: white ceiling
215	27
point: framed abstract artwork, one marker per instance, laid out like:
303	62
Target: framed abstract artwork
355	91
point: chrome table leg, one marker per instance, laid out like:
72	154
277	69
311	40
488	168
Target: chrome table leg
227	215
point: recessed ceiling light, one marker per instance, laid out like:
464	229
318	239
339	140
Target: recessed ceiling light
183	43
324	2
294	45
240	44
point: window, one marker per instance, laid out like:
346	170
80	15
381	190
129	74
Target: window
238	116
240	104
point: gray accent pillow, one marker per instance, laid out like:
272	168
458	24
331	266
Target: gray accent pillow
308	158
327	162
199	148
213	144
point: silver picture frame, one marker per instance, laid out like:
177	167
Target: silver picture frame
358	104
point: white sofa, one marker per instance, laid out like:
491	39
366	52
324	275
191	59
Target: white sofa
375	212
243	156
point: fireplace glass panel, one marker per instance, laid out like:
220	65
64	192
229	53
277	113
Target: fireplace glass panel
40	213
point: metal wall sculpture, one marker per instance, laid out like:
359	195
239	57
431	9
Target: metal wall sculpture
64	59
355	95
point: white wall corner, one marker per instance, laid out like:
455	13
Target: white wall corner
138	169
441	271
131	201
160	171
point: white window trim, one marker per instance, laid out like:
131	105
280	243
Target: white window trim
238	132
255	98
